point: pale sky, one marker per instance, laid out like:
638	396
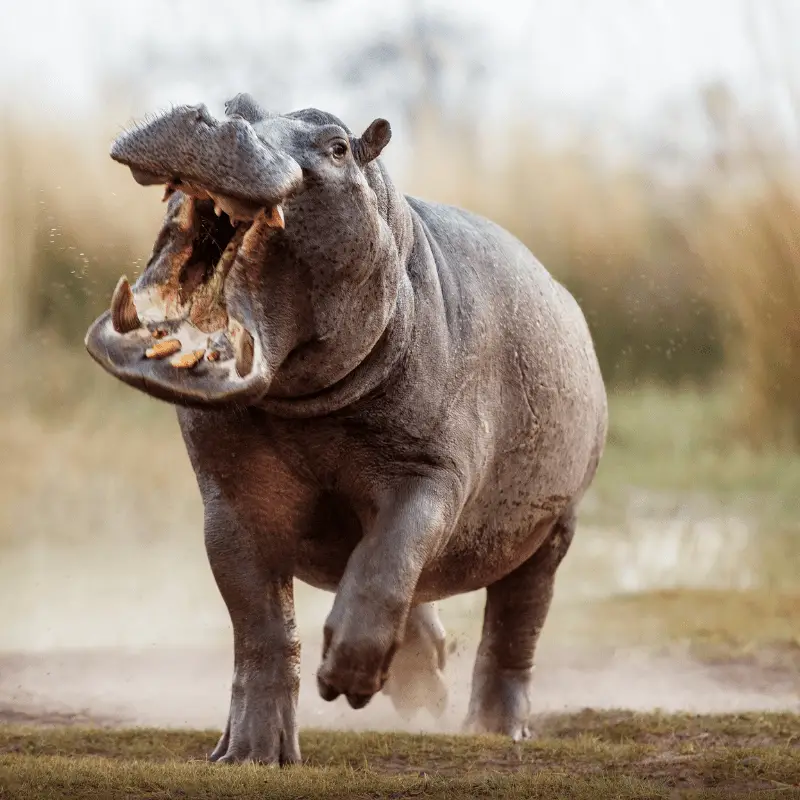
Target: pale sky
619	56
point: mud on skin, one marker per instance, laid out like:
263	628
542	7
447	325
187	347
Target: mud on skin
387	398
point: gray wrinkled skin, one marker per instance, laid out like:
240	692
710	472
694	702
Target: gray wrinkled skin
423	413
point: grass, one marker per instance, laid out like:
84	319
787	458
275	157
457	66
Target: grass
588	755
757	628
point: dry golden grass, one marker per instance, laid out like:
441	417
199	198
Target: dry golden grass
589	755
749	243
602	231
70	221
675	283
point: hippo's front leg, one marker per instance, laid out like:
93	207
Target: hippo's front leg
257	590
367	621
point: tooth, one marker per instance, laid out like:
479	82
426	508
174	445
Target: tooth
162	349
123	310
168	192
188	360
243	350
213	355
275	218
217	210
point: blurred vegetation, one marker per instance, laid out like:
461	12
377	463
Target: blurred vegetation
694	279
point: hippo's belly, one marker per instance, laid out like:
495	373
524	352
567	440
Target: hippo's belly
496	532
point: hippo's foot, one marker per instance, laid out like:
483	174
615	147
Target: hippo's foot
415	676
261	726
500	703
356	655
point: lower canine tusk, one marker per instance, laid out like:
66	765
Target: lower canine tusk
243	351
123	310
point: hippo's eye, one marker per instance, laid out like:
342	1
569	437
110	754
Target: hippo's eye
339	149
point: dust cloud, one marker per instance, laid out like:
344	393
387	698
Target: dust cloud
189	688
156	651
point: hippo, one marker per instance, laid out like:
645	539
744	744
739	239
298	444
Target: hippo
386	398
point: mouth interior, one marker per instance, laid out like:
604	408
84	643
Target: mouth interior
215	233
186	319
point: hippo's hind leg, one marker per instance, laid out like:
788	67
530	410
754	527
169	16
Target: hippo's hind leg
516	609
415	676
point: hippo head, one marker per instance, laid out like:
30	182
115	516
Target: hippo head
271	224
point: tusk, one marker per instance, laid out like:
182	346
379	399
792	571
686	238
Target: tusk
243	350
275	217
123	310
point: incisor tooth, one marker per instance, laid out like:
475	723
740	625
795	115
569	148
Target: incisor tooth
162	349
123	310
188	360
275	217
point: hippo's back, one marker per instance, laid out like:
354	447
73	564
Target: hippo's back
525	345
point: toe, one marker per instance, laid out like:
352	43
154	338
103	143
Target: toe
358	700
326	691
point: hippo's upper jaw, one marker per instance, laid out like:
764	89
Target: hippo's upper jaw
225	161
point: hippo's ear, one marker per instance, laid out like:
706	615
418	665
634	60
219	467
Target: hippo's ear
369	145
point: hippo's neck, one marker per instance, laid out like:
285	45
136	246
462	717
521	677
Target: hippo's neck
363	350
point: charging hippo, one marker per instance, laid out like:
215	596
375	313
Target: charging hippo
386	398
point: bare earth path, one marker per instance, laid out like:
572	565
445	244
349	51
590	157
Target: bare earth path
188	688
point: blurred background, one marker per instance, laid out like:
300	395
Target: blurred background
646	151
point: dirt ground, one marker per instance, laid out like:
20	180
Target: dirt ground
189	688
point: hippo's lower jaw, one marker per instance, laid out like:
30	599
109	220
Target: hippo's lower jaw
179	341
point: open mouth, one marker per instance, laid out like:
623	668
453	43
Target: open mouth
173	334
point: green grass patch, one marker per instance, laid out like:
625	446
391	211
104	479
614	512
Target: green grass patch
586	755
683	441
